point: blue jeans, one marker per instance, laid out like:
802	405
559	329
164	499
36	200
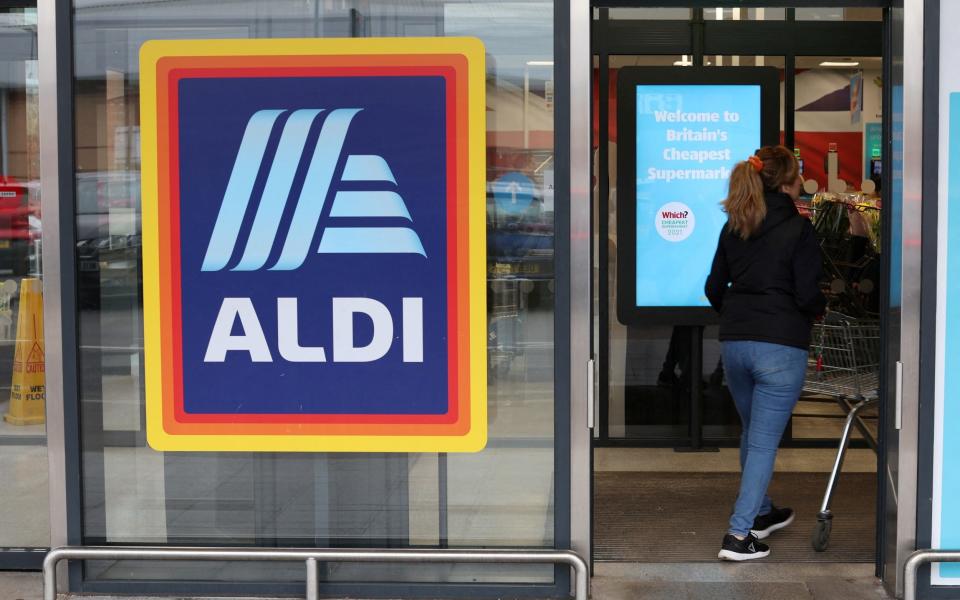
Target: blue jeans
765	381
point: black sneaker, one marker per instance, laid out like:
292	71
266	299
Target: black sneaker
777	518
739	550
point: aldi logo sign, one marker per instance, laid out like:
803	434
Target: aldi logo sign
314	244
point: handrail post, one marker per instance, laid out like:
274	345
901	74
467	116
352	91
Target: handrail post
313	585
582	577
50	562
910	575
918	559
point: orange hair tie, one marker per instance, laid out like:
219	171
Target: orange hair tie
756	162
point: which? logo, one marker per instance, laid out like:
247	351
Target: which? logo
675	221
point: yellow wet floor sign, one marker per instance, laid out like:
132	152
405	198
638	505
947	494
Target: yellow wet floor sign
28	389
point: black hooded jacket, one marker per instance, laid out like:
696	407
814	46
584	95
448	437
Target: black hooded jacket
766	288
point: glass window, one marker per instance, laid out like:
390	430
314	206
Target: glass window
503	496
826	116
673	60
23	438
653	14
743	61
744	14
839	129
837	13
777	62
720	419
637	406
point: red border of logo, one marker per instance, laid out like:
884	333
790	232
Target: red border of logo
171	70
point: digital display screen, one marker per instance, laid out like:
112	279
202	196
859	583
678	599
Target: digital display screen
688	139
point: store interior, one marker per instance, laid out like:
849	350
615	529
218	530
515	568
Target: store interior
666	462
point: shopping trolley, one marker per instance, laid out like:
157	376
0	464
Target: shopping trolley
844	364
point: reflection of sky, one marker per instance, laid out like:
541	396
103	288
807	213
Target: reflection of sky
513	33
18	32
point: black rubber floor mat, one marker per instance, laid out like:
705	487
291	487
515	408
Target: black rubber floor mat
681	517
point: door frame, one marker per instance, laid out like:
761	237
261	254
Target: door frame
28	558
794	39
699	38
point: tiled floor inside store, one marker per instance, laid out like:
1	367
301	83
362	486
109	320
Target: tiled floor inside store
705	581
703	577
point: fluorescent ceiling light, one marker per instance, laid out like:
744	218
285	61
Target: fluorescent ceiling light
831	63
539	63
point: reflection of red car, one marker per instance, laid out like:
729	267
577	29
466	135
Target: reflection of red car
16	232
15	212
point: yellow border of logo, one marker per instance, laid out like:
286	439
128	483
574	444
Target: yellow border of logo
472	49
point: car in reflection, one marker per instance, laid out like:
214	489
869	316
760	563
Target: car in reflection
520	269
108	239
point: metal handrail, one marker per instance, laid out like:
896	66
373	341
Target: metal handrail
311	556
916	560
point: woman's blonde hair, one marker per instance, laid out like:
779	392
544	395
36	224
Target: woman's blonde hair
770	168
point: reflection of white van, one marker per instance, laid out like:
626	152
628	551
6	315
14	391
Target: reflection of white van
108	204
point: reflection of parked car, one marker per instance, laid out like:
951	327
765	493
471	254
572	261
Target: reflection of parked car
520	243
108	237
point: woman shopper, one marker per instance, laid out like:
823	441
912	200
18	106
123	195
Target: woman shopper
765	284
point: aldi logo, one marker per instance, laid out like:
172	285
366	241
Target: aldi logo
314	244
317	183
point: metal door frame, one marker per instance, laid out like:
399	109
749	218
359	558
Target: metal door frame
900	395
930	287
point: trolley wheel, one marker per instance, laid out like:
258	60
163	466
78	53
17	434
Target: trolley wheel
821	534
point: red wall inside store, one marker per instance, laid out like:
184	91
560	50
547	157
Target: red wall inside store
612	124
813	150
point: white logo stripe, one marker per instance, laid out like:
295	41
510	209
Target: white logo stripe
237	196
347	205
277	190
367	167
370	240
316	186
369	204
